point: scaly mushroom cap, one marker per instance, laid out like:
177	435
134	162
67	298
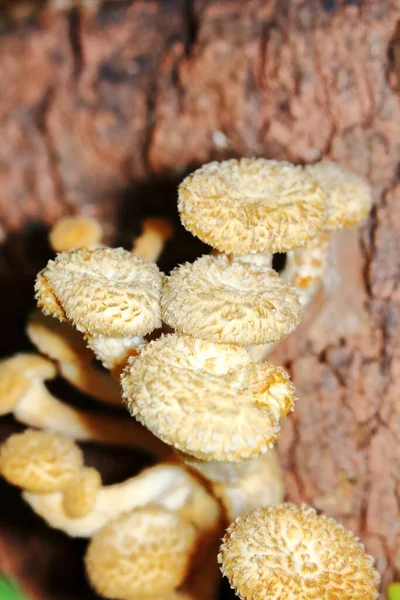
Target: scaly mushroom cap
103	291
288	552
207	400
146	551
16	375
80	493
349	196
75	232
252	205
39	461
225	301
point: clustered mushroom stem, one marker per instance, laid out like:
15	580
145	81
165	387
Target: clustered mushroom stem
156	231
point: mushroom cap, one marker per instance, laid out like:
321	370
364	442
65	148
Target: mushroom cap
252	205
75	232
145	551
81	492
349	196
291	552
46	298
16	375
103	291
40	461
208	400
59	341
225	301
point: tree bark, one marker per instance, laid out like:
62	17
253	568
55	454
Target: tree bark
104	110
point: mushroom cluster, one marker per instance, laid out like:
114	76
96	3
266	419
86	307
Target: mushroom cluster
205	399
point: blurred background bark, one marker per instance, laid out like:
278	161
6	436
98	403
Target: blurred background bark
103	109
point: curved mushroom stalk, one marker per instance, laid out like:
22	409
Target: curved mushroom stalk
24	394
63	344
242	487
75	232
156	231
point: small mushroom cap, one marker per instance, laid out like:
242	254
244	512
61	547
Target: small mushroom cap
40	461
146	551
59	341
103	291
75	232
81	492
208	400
291	552
252	205
349	196
225	301
16	376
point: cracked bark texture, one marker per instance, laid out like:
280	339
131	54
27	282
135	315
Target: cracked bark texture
98	104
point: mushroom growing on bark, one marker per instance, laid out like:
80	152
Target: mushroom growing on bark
291	552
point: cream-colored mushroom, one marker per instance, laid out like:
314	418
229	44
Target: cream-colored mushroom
227	301
23	392
252	205
292	552
156	231
103	292
209	401
145	552
63	344
75	232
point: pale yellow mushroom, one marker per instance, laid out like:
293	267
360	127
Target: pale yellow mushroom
209	401
145	552
252	205
103	292
40	461
80	495
291	552
156	231
62	343
75	232
227	301
349	196
23	392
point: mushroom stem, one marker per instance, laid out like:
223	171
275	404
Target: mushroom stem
166	485
156	231
39	408
113	352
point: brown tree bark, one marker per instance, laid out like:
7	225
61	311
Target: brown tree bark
104	110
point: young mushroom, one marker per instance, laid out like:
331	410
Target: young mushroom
23	392
209	401
63	344
156	231
75	232
105	293
143	553
291	552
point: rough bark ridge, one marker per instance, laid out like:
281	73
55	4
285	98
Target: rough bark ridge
95	102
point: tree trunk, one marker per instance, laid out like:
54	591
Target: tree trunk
103	110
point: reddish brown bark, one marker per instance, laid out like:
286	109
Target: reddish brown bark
95	105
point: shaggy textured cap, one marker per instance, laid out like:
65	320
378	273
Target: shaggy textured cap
288	552
16	376
349	196
75	232
146	551
207	400
102	291
40	461
225	301
81	493
252	205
